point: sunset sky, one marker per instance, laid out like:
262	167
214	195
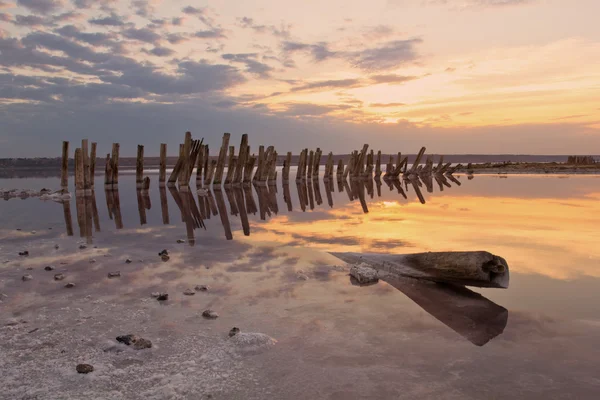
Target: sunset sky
457	76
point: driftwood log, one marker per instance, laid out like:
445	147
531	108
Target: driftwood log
473	268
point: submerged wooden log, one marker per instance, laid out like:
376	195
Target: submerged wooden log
470	268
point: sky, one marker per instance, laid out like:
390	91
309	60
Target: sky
456	76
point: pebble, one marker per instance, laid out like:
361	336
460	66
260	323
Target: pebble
127	339
139	343
142	344
165	257
252	342
24	253
180	241
364	274
115	274
234	331
33	232
189	292
155	294
70	285
163	297
210	314
49	268
164	252
201	288
82	246
84	368
59	277
128	261
27	277
56	246
92	261
302	277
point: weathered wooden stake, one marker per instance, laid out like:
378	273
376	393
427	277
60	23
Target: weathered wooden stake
182	177
177	168
311	160
285	175
221	161
417	161
93	164
107	173
241	160
248	168
230	165
86	165
317	163
64	168
378	165
162	168
79	179
273	168
139	167
340	169
115	165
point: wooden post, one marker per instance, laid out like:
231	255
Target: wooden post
230	165
286	168
79	180
242	159
378	165
64	169
260	162
264	172
218	177
182	177
349	166
93	164
311	157
273	168
340	169
107	173
248	168
200	165
139	167
196	147
328	166
440	164
317	163
177	168
162	169
115	165
417	160
210	173
86	165
359	167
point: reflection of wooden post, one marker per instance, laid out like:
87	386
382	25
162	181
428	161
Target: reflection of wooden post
231	200
139	167
107	173
115	165
164	205
300	188
221	161
93	164
340	169
162	168
287	197
68	219
415	185
95	211
141	207
249	197
88	218
328	190
200	165
285	175
79	180
187	216
223	214
117	209
80	210
273	199
64	168
378	165
263	201
239	199
311	199
358	190
317	188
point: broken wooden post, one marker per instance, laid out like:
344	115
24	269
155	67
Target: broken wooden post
349	167
299	170
210	173
260	162
241	160
285	175
79	180
86	166
328	167
64	169
162	168
181	176
273	168
378	165
218	177
230	165
200	165
177	168
107	173
340	169
196	148
317	163
471	268
263	174
114	165
360	164
248	168
440	164
93	164
139	167
413	170
310	169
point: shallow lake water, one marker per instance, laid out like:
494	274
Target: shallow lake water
264	253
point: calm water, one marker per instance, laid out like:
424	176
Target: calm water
539	339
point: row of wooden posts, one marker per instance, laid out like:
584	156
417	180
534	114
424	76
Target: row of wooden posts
240	167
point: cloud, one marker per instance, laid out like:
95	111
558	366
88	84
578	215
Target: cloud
55	42
160	51
144	8
328	84
392	78
390	55
201	14
41	6
143	35
460	5
378	32
282	31
176	38
252	65
319	51
96	39
112	20
84	4
193	10
293	109
216	33
383	105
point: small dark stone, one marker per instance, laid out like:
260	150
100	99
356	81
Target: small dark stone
84	368
27	277
59	277
49	268
163	297
128	261
56	246
82	246
234	331
142	344
165	257
127	339
24	253
115	274
189	292
201	288
210	314
70	285
165	252
180	241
